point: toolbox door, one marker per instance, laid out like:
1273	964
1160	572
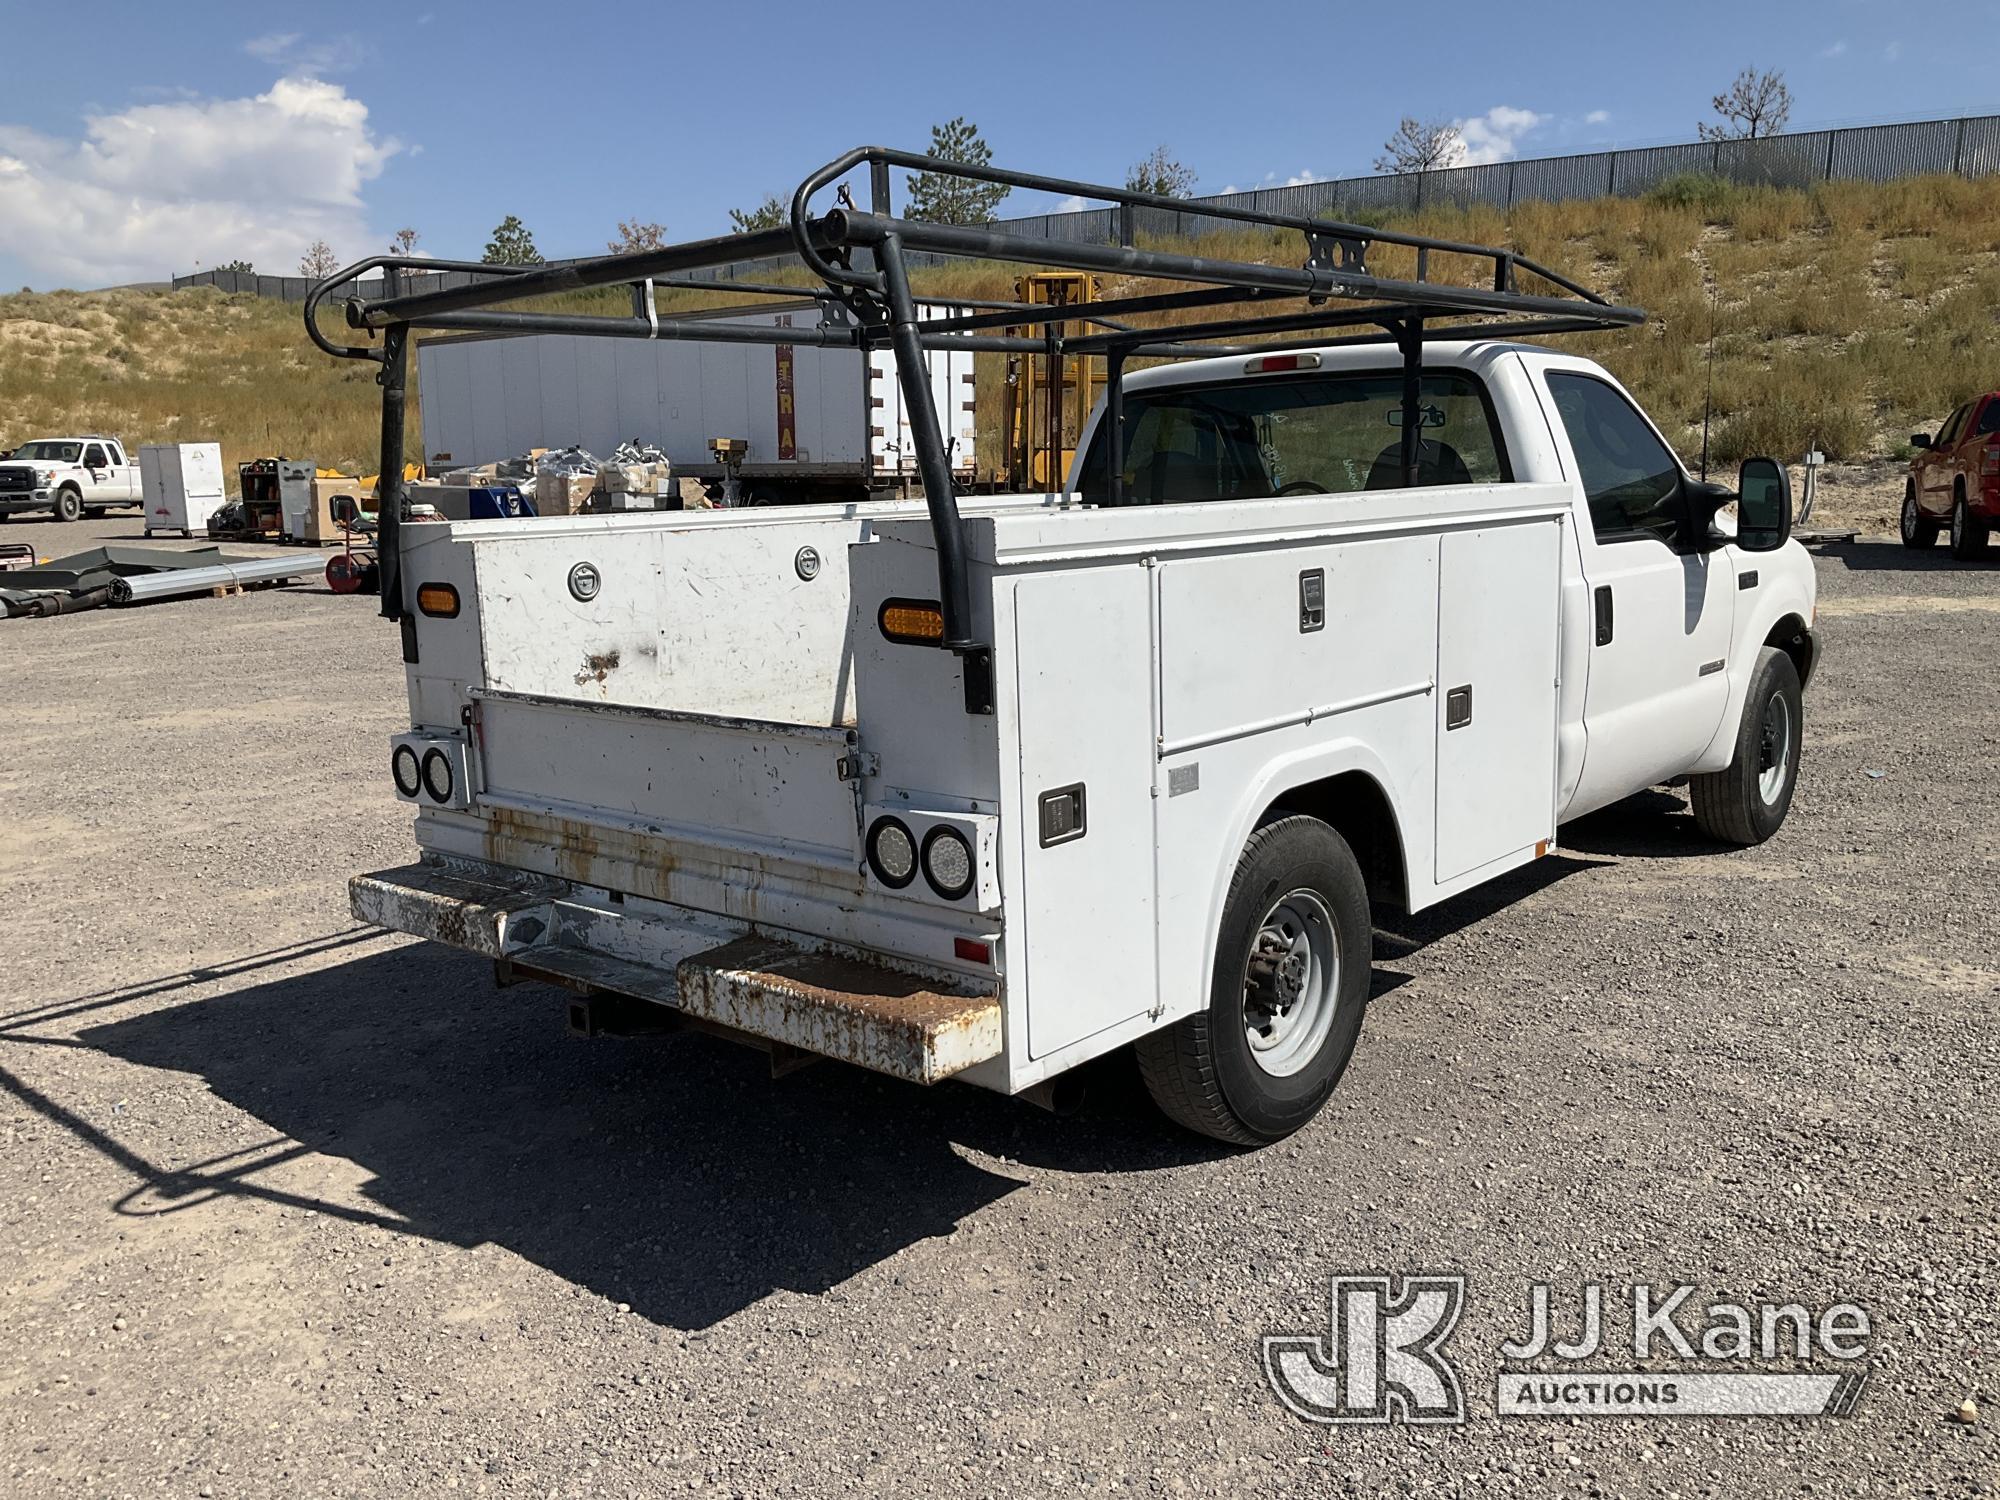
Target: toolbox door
1085	919
1499	592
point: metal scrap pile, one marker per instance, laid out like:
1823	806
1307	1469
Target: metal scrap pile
567	462
635	452
135	575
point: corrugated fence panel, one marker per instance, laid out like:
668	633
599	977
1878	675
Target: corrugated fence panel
1637	172
1979	150
1557	177
1786	161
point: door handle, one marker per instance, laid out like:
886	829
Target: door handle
1603	597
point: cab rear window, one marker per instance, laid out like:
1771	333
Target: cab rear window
1335	433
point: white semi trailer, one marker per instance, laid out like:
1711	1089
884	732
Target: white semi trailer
819	423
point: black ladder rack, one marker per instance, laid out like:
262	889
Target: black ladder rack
861	258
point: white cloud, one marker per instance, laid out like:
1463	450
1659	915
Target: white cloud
1495	135
1073	204
1598	117
158	187
295	54
1892	52
1836	50
1302	178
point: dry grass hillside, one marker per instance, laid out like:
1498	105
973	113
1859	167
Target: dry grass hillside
1843	317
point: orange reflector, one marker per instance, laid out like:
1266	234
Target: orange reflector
972	950
438	600
912	622
1541	847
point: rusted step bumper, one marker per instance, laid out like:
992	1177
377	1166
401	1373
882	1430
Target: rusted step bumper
911	1027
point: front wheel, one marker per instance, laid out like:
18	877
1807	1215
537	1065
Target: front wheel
68	505
1968	533
1286	997
1919	530
1746	803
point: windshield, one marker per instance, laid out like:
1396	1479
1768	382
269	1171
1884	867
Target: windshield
49	451
1317	434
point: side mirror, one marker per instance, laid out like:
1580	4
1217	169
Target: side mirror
1763	505
1705	498
1920	440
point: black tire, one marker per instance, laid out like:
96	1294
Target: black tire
67	505
1731	805
95	512
1919	530
1202	1071
1969	534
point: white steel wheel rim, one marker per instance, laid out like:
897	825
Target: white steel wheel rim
1775	750
1291	984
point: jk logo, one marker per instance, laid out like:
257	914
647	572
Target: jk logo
1380	1360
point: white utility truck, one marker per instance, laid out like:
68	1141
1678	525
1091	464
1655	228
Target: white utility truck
988	789
68	477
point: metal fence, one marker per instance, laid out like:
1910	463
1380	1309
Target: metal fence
1968	147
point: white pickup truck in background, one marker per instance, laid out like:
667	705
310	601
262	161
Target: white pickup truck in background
993	787
68	477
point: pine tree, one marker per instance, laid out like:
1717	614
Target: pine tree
511	245
770	214
939	197
1162	176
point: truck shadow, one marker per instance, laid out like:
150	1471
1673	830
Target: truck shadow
1653	824
676	1176
1893	557
1399	934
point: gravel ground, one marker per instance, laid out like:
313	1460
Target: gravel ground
290	1209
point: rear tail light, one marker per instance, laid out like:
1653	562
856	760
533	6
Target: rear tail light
403	766
972	950
912	622
947	862
892	853
437	775
431	769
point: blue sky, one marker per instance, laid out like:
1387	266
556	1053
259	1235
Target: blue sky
137	140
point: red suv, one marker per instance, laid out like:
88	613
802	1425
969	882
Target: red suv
1955	477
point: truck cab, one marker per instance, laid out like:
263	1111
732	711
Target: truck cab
1657	600
68	477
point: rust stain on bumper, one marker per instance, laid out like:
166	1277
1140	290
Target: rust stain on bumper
839	1007
429	902
894	1022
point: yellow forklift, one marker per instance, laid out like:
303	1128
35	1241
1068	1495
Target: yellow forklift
1048	398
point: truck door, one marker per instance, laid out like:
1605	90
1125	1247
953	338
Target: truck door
1661	611
97	483
124	473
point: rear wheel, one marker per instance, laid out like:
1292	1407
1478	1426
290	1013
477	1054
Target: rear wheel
1919	530
1968	533
67	505
1286	997
1746	803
